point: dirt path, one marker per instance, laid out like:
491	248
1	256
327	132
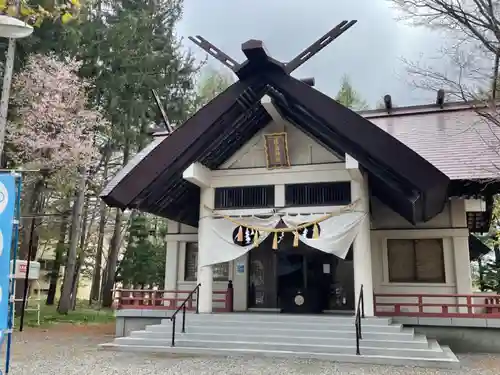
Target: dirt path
67	349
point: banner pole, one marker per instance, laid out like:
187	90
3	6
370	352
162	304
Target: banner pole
17	223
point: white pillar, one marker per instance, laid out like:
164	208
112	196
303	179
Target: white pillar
172	260
240	283
205	274
461	255
362	256
462	265
462	270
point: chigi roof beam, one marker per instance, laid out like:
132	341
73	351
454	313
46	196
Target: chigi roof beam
215	52
318	45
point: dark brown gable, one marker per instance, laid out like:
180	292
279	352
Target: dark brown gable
395	170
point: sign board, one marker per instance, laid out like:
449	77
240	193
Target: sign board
7	208
22	266
276	147
240	268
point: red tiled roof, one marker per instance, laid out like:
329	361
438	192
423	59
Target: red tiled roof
460	143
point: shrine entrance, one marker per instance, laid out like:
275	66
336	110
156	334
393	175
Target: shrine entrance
299	279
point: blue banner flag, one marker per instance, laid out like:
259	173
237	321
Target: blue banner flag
7	208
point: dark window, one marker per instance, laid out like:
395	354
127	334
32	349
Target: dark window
244	197
319	194
416	261
220	271
191	263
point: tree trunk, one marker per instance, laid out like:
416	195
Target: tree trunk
34	206
103	282
31	209
96	278
81	251
496	249
482	286
56	267
74	283
114	250
76	220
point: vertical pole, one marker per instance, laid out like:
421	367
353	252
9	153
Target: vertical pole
358	334
184	318
7	79
362	294
26	278
173	331
12	279
198	299
4	103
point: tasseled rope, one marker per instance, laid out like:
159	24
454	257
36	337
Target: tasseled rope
256	238
296	238
315	230
275	241
288	230
239	238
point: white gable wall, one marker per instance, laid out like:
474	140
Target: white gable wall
302	149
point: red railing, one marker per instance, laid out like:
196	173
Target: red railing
143	299
438	305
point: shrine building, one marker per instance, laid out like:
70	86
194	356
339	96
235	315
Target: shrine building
301	203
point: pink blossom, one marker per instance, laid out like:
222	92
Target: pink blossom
54	125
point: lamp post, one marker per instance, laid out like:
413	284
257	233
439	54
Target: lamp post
13	29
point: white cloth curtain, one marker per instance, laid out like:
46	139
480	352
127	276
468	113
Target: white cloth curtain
336	233
217	240
217	243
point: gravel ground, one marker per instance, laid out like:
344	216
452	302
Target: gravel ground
71	350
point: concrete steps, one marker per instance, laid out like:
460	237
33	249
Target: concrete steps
323	337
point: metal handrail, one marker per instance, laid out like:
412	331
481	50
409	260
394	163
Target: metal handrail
360	314
183	308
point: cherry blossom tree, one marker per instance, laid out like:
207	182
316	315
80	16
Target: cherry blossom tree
53	126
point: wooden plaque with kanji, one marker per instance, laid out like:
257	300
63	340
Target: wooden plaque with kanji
276	147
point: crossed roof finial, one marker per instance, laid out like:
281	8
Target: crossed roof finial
257	47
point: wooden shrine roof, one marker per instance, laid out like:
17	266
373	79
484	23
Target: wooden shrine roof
399	177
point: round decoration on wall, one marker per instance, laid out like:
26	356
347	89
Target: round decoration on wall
308	231
299	300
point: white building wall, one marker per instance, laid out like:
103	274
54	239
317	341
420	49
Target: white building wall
450	225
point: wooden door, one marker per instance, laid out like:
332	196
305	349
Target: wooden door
262	285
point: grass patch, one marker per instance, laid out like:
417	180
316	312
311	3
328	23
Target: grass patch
81	315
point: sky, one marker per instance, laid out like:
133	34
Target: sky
370	53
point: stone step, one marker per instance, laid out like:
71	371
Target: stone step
303	325
419	342
433	351
447	361
378	333
273	317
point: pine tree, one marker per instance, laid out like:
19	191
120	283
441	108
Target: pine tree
349	97
128	66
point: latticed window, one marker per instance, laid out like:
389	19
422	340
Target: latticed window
318	194
244	197
220	271
416	261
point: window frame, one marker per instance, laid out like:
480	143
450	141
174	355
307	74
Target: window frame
191	278
416	280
